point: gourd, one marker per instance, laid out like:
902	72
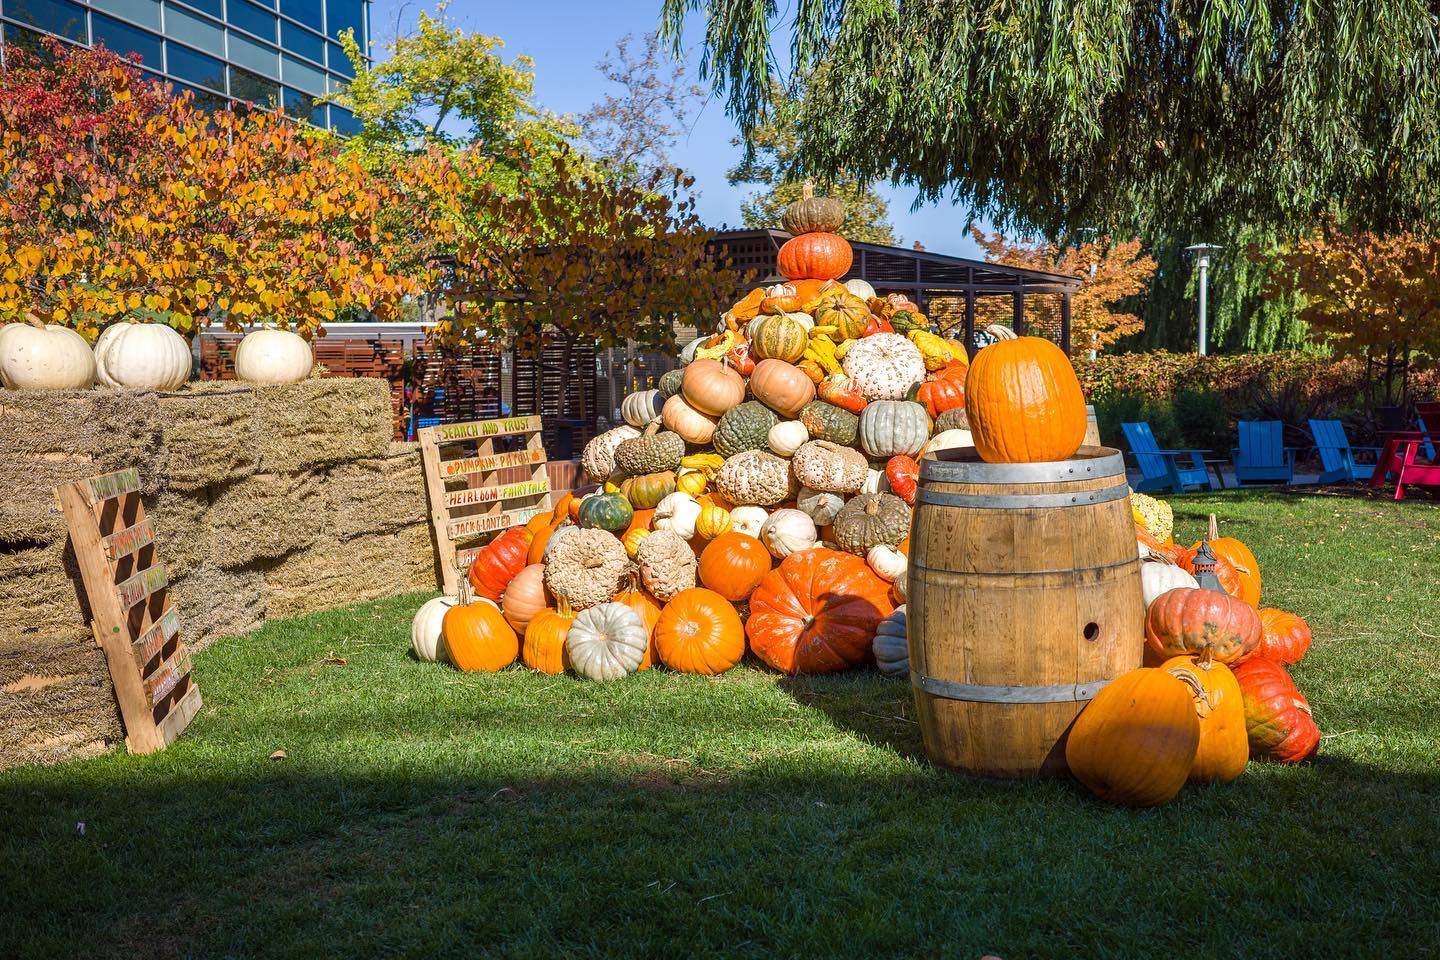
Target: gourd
598	457
677	513
822	465
37	356
1284	637
820	505
902	475
699	632
890	428
690	424
273	356
426	626
755	477
711	387
647	490
885	365
843	392
819	256
639	408
692	482
1159	575
142	356
544	646
1278	723
1156	516
933	350
777	337
905	321
870	519
825	421
732	565
667	564
786	437
607	511
744	427
788	531
653	451
817	612
712	521
948	440
847	314
781	386
631	538
1202	623
607	642
1223	750
477	638
860	288
1024	401
498	562
669	382
585	568
938	396
891	646
888	562
525	597
748	520
1134	744
812	214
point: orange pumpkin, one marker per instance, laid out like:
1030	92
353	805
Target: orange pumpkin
1224	748
732	565
640	521
477	638
562	510
1024	401
1246	577
525	596
1135	743
1225	573
711	387
545	640
499	562
637	599
1193	621
817	256
817	612
1284	637
781	386
699	632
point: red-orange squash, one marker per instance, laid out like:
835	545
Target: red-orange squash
1278	721
1135	743
477	638
499	562
733	564
1024	401
699	632
817	612
1284	637
941	394
815	256
544	648
1205	624
1223	750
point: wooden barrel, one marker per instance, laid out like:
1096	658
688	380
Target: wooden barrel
1024	600
1092	427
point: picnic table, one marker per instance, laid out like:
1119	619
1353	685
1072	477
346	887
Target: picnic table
1398	456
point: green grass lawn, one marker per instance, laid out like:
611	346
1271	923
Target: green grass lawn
422	812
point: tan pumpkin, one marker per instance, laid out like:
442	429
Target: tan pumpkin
524	597
711	387
692	425
781	386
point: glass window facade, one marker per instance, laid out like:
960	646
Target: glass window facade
219	50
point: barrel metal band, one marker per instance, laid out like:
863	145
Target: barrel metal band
1080	498
1094	571
976	471
980	693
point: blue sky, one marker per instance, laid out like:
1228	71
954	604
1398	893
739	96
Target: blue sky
567	37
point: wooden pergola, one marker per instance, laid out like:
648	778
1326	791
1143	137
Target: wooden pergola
919	274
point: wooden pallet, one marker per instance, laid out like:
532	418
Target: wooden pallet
469	502
134	620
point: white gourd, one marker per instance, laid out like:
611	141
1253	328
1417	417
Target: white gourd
891	646
786	437
788	531
875	482
887	562
1159	575
142	356
607	642
639	408
748	520
884	366
44	357
947	440
273	356
425	628
820	505
861	288
677	512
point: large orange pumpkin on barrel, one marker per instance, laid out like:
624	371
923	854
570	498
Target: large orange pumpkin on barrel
1024	401
817	612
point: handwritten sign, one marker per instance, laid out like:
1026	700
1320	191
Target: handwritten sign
111	485
474	526
511	491
481	429
153	640
495	461
141	585
129	540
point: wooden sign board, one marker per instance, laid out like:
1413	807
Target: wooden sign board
135	622
468	503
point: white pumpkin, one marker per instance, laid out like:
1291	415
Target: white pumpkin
639	408
748	520
884	366
875	482
425	628
1160	575
273	356
891	646
861	288
947	440
786	437
677	513
820	506
788	531
607	642
48	357
142	356
887	562
902	586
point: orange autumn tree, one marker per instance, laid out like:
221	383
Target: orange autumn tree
1112	271
121	200
1368	296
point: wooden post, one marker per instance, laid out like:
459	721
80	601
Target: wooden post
970	323
1017	322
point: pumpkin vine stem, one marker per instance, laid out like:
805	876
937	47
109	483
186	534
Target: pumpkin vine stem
1001	332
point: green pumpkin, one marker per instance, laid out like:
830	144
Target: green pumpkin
647	490
777	338
607	511
890	428
825	421
746	427
869	519
669	384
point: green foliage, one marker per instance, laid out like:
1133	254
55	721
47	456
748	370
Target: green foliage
1127	117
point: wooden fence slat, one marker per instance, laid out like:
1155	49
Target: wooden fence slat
180	714
142	585
167	676
154	639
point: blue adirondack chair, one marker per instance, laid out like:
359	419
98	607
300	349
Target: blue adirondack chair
1175	469
1262	456
1337	457
1428	420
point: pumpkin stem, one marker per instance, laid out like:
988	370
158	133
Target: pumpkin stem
562	607
807	189
34	321
467	595
652	428
1214	528
1001	333
1204	706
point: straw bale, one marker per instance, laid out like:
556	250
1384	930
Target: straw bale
321	421
39	602
183	537
264	517
214	603
335	572
56	703
209	434
377	494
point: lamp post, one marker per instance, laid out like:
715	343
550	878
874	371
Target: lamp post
1202	253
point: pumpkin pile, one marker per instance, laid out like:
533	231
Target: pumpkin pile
1214	692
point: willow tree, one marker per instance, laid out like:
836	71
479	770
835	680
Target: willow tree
1128	117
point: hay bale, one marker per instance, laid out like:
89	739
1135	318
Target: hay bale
264	517
39	603
183	536
208	430
335	572
214	603
423	565
377	494
56	703
319	422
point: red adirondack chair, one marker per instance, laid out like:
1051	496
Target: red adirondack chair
1411	454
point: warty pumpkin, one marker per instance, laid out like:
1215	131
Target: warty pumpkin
884	366
869	519
1284	637
818	256
822	465
744	427
477	638
598	457
812	214
817	612
825	421
1024	401
1278	721
653	451
843	392
1223	750
1203	624
699	632
1134	744
733	564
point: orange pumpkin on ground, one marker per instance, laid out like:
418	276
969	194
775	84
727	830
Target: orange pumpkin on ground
498	562
732	565
699	632
1024	401
1284	637
1206	624
477	638
544	648
637	599
1278	721
1223	750
817	612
